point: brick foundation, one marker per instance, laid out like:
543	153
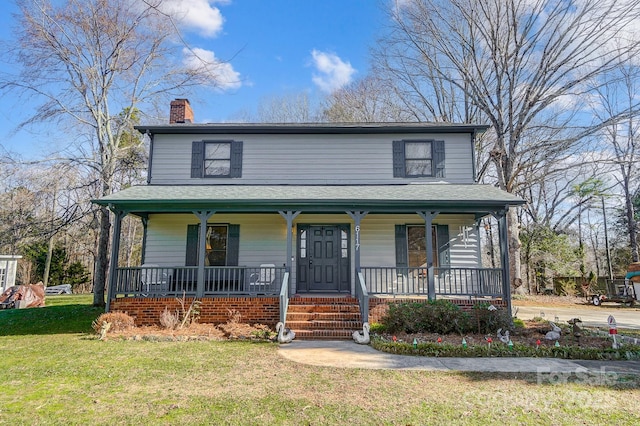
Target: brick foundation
146	311
378	306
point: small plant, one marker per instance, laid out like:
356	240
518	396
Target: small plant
377	328
488	318
119	321
191	314
518	323
169	320
234	316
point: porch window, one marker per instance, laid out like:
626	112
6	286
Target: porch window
418	158
216	245
416	245
221	244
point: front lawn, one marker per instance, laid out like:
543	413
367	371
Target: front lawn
54	371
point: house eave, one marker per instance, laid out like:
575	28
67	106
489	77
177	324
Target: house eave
311	128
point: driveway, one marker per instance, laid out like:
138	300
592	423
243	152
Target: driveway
593	316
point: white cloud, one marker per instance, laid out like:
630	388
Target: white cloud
198	15
222	74
333	72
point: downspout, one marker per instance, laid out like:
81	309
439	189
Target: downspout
150	162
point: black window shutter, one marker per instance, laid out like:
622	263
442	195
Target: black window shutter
442	237
233	245
401	246
191	259
398	159
438	158
236	159
197	159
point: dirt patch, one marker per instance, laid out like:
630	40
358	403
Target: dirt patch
196	331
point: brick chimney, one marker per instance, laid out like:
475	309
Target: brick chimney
181	112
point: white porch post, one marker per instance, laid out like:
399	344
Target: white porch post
202	248
115	249
289	216
501	216
428	223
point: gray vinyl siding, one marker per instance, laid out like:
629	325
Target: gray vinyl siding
308	159
263	238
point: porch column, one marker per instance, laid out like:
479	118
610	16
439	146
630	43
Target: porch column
202	248
115	249
501	216
357	217
145	222
289	216
428	223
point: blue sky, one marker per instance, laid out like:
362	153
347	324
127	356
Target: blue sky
271	47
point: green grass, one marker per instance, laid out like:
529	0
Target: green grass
54	371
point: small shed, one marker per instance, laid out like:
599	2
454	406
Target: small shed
8	268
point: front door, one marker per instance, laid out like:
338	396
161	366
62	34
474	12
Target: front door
323	258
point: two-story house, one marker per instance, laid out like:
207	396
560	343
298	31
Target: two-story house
259	218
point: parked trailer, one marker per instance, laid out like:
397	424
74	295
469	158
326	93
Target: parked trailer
617	291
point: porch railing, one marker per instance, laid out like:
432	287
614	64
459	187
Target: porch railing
162	281
284	297
404	281
363	297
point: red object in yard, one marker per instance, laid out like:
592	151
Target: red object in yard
613	331
439	339
537	343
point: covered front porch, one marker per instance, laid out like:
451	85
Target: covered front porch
367	230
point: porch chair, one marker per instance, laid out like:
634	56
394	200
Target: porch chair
261	281
155	280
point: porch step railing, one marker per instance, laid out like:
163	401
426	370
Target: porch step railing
162	281
404	281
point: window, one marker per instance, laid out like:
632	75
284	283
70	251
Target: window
419	158
216	245
222	244
416	245
216	159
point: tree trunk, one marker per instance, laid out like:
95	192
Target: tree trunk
631	224
47	262
513	230
102	261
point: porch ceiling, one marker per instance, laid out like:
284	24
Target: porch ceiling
442	197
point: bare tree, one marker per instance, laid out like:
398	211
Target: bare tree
289	108
368	100
616	96
525	65
92	63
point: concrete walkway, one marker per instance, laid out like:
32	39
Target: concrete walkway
348	354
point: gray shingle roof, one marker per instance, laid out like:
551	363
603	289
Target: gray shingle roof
319	197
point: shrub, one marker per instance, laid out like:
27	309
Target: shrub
377	328
119	321
169	320
434	316
487	320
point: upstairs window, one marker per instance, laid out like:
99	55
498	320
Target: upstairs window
216	159
418	158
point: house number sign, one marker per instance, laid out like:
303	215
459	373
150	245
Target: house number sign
358	238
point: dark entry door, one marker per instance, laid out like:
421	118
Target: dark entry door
320	260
